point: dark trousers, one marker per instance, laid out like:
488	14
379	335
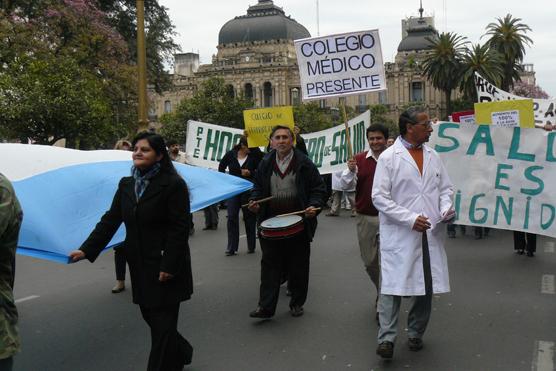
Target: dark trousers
291	256
120	262
169	350
211	216
525	241
6	364
250	220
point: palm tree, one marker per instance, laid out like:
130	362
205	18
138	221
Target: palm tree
507	36
484	60
443	64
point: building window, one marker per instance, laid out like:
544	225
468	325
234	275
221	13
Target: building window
382	97
295	96
230	91
167	106
362	99
322	103
416	91
267	94
248	88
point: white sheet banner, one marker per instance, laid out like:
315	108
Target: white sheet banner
504	177
207	143
342	64
544	109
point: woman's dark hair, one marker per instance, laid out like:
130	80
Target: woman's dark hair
159	146
242	143
409	116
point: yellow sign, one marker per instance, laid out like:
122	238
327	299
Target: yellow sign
507	113
259	123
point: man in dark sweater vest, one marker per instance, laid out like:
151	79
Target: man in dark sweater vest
361	171
295	184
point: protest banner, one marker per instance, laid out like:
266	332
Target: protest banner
207	143
506	113
544	110
502	176
463	117
259	123
342	64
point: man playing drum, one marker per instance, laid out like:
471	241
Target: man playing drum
295	184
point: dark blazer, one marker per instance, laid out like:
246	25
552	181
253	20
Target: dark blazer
157	232
230	162
311	190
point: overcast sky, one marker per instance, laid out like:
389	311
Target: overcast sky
198	23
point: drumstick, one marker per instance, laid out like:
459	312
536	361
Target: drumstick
297	212
260	201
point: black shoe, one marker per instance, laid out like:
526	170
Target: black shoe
296	311
415	344
261	313
208	228
519	252
385	349
530	254
230	253
451	234
251	251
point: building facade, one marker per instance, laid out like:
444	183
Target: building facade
256	57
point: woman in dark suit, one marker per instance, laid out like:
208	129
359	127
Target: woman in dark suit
241	161
153	204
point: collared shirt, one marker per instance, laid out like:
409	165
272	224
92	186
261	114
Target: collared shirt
283	164
370	153
408	145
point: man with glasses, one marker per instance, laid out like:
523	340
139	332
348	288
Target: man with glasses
413	194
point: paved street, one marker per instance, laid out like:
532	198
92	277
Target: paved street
501	314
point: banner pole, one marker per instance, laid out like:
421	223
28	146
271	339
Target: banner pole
348	139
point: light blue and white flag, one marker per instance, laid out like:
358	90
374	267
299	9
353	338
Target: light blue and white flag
64	193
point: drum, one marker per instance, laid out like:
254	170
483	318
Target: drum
281	227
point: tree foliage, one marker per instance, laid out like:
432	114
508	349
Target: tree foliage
443	65
524	89
309	117
159	31
212	103
508	36
63	74
485	60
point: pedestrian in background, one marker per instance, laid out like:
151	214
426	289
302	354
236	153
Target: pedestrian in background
10	223
153	204
360	173
413	194
242	162
119	253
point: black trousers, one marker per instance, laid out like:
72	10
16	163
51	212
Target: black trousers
525	241
120	262
289	256
250	220
170	351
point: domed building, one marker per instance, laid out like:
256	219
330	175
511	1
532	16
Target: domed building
256	57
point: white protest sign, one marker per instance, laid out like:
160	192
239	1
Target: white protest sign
503	177
207	143
505	119
543	109
343	64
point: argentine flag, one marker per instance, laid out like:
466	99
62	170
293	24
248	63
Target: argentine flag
64	193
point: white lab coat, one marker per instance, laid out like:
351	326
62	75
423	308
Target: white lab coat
401	194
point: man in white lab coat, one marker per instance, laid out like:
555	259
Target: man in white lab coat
413	194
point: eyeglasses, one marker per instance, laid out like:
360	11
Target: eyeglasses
427	124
